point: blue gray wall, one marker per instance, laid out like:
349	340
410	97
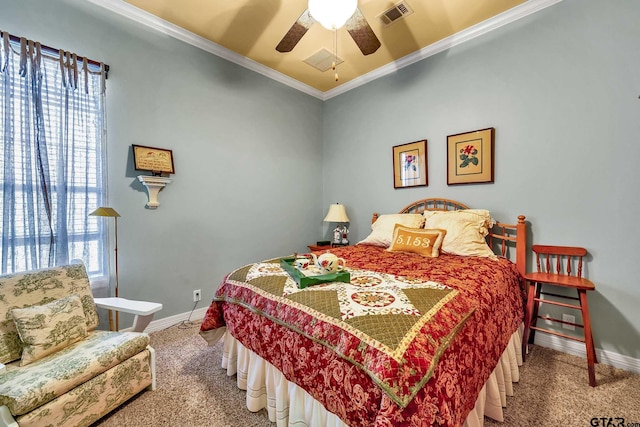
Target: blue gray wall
561	89
253	157
247	152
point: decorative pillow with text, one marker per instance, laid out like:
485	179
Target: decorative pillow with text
423	241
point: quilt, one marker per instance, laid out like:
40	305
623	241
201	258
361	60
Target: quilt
393	322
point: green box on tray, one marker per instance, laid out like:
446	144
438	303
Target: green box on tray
305	281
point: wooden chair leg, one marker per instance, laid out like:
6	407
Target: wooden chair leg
527	318
588	337
534	313
111	321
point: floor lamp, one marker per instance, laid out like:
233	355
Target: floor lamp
110	212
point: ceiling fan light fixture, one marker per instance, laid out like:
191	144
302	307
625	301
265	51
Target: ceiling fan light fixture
332	14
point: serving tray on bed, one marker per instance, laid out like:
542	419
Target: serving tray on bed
304	281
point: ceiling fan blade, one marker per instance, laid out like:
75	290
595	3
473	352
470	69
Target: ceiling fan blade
362	34
295	33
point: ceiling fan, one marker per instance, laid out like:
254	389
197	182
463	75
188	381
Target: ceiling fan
322	11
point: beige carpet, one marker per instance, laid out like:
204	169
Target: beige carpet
194	391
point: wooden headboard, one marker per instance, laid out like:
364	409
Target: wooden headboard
500	237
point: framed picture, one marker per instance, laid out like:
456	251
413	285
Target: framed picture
157	160
470	157
410	165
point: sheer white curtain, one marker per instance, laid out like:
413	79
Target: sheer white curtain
52	171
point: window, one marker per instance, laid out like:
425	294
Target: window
52	162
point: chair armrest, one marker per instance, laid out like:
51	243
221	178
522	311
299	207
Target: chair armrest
143	310
6	419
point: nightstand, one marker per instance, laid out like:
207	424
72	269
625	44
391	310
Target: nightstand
313	248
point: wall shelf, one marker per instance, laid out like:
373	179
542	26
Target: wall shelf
153	184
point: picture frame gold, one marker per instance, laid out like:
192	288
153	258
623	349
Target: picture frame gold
410	165
157	160
470	157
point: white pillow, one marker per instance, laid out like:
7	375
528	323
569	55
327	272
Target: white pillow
382	229
466	231
488	221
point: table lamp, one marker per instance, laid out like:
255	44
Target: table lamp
337	213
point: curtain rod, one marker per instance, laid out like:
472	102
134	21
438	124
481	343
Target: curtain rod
54	51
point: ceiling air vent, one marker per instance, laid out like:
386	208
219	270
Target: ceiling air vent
398	11
322	60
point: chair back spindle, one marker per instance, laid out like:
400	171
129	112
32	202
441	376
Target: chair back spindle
551	257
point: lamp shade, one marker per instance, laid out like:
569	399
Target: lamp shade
104	211
337	213
332	14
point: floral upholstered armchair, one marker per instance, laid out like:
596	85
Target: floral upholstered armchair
55	368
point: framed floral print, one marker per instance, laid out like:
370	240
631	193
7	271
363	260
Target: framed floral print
410	165
470	157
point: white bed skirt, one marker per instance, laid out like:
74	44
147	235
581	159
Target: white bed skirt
289	405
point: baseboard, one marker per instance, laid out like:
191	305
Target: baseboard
167	322
577	349
550	341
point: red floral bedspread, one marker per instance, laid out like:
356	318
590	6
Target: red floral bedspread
491	290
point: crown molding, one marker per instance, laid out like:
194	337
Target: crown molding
145	18
484	27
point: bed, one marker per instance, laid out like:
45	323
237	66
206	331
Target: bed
419	337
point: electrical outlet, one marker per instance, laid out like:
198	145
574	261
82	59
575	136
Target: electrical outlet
568	318
197	295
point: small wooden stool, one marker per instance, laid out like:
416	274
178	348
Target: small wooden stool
547	274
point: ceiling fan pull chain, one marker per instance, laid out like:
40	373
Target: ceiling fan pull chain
335	53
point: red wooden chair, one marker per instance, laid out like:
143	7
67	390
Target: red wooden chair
554	265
